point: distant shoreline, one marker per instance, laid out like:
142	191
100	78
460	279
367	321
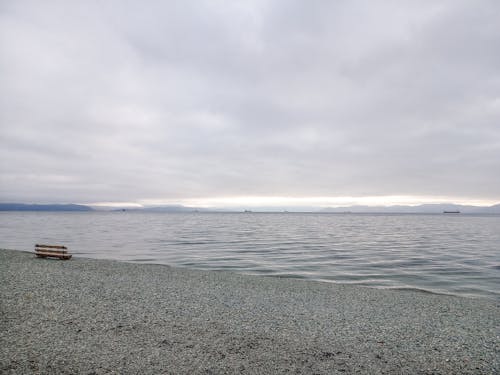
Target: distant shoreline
86	315
396	209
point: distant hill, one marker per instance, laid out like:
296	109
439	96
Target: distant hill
169	208
43	207
491	210
423	208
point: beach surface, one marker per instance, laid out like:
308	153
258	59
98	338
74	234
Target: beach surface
86	316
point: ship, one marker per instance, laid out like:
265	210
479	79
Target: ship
451	212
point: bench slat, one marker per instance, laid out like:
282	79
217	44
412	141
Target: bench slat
52	246
44	254
52	251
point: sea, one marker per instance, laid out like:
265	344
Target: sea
455	254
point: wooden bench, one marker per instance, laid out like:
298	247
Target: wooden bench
53	251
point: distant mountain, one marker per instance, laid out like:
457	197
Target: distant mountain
169	208
495	209
423	208
43	207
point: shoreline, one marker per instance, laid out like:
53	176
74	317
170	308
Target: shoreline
105	316
439	292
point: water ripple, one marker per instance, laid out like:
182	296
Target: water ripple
433	253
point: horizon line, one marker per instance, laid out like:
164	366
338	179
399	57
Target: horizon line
284	201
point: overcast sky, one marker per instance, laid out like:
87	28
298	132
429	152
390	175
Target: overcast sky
212	101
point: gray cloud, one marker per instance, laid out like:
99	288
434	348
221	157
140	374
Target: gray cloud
124	101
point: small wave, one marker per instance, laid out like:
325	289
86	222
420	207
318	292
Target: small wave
419	290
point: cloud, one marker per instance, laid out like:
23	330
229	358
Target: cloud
121	101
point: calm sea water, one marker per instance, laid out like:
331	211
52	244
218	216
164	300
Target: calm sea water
452	254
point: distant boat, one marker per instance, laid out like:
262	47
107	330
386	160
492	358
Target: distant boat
247	211
451	212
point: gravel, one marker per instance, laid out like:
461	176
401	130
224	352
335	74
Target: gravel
86	316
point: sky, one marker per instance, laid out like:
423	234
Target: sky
216	103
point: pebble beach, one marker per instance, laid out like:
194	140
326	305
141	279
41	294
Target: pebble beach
86	316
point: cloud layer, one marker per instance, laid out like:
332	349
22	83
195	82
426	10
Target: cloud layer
135	101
